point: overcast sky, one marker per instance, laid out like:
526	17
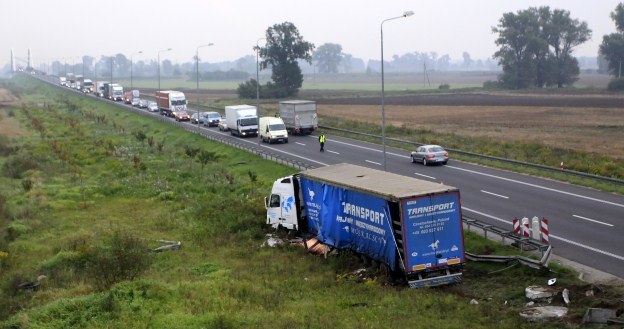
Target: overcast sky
57	29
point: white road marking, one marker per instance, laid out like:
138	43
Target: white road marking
255	142
377	163
300	143
540	187
332	152
592	220
494	194
424	176
364	147
584	246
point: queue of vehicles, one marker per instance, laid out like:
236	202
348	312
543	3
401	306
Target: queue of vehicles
411	226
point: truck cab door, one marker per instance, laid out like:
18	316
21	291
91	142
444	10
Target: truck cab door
274	210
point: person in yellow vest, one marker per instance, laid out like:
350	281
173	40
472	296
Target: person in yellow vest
322	141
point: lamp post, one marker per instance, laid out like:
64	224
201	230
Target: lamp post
197	77
112	58
131	85
383	100
160	51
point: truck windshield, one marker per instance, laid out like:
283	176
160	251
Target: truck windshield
248	121
278	126
178	102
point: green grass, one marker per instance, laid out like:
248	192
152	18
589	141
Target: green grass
89	187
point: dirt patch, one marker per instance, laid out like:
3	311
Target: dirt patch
9	125
6	97
594	129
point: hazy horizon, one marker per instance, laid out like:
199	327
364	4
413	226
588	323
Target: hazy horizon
64	30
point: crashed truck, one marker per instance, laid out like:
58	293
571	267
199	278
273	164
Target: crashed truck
412	226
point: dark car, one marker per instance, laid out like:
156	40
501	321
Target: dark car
428	154
181	116
143	103
211	119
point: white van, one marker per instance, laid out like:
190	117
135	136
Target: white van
272	129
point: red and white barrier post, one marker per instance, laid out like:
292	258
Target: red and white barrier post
544	228
516	226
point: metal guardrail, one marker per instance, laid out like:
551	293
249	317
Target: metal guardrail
262	152
489	157
524	243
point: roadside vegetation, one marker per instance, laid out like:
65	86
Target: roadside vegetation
89	190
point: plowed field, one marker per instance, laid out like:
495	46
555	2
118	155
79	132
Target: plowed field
591	123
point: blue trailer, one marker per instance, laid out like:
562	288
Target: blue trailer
412	226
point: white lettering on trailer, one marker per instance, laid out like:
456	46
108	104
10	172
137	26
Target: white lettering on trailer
363	213
431	209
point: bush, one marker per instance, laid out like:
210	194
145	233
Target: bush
492	85
16	166
444	86
122	257
616	85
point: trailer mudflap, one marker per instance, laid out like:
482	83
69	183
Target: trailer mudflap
436	281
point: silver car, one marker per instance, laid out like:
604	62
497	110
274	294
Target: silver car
429	154
152	107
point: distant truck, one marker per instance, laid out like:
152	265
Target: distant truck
113	91
299	116
99	88
87	86
242	120
63	81
169	101
412	226
131	95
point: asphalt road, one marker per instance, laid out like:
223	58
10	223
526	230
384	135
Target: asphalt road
586	226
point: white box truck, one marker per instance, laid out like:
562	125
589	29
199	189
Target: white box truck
242	120
272	129
299	116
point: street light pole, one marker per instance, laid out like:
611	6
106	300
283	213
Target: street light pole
197	77
383	100
111	60
131	84
160	51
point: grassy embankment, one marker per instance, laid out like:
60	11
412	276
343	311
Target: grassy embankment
88	186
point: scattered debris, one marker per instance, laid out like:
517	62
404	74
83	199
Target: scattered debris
32	285
273	242
474	302
539	293
598	315
566	296
529	304
589	293
552	281
172	245
357	275
544	313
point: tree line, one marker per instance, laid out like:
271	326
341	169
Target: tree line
535	50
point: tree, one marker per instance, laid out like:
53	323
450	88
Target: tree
612	46
536	47
282	52
467	60
565	33
328	57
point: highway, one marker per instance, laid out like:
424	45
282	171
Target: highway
586	226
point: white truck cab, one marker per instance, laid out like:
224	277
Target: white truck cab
283	203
